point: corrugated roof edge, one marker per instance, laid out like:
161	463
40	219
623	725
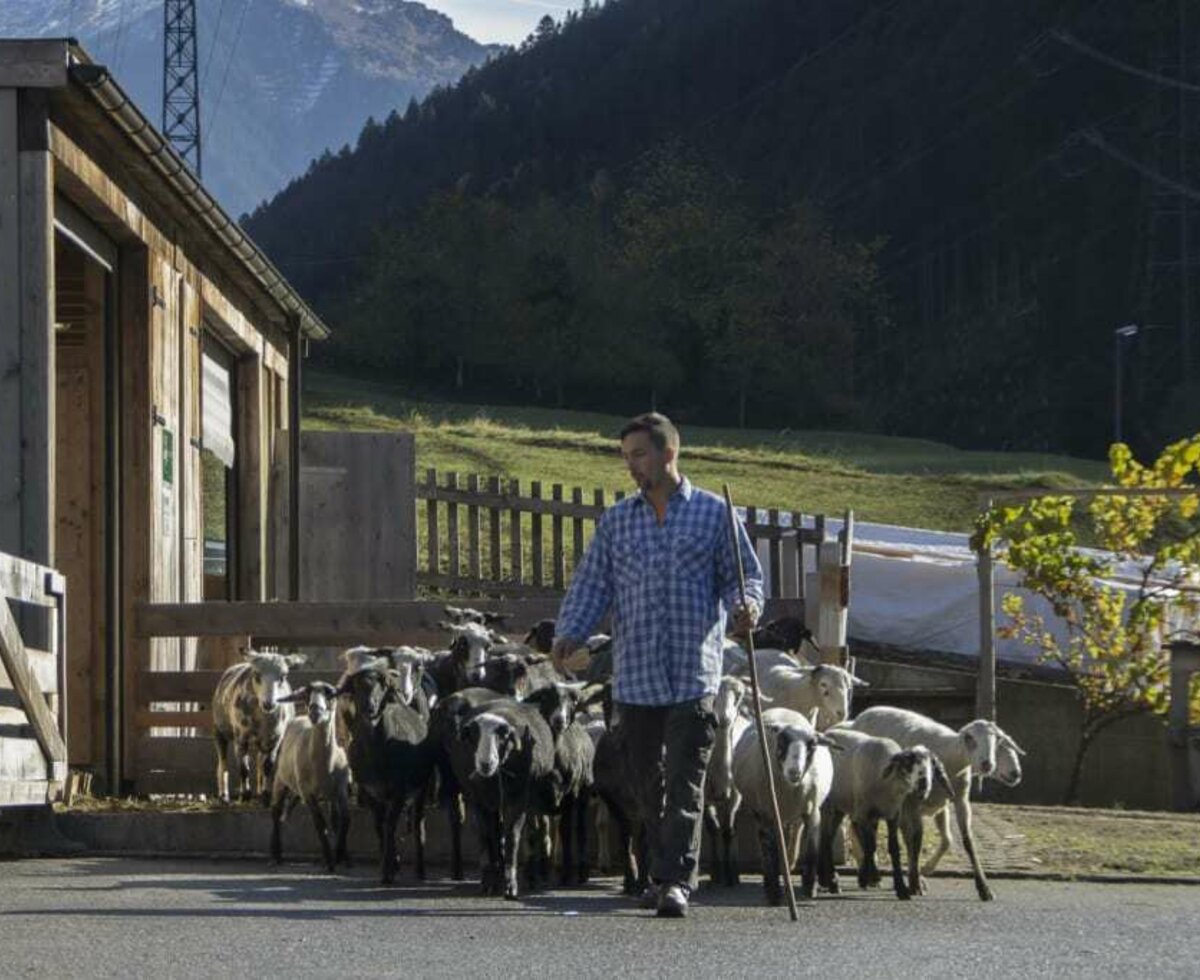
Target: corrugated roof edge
99	83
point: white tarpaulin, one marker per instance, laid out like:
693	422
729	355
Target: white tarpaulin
919	590
217	408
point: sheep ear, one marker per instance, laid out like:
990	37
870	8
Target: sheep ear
1011	742
763	699
858	681
836	746
296	659
298	695
813	716
890	769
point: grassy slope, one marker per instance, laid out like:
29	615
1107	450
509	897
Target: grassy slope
912	482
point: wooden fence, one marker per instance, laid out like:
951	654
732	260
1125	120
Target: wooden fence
485	536
33	715
488	540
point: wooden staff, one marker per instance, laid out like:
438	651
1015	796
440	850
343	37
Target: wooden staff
780	841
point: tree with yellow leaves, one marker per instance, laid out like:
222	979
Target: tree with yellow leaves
1113	650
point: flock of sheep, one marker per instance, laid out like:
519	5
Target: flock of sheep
488	726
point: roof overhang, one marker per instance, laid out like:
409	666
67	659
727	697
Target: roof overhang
62	64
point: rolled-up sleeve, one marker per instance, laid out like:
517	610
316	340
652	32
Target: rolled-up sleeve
590	593
727	573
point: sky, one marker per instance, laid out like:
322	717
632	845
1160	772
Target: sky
500	21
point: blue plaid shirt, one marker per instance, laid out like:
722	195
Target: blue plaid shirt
669	587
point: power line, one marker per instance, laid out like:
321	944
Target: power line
1100	143
1073	42
228	64
212	47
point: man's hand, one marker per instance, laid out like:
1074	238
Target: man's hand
560	652
745	617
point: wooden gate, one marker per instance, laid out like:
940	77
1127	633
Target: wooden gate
33	716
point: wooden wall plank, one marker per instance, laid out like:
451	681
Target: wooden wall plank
432	540
10	332
516	558
36	285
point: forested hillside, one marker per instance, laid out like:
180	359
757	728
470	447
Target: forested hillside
922	217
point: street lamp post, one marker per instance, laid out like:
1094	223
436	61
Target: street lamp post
1120	334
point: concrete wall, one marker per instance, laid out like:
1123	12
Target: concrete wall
1128	764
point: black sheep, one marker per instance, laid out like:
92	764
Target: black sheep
503	757
388	756
573	758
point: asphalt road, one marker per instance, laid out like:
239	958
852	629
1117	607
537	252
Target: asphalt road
110	917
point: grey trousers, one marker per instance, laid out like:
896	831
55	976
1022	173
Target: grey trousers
669	747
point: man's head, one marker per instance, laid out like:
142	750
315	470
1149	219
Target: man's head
650	448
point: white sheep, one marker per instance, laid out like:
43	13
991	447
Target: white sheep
874	778
789	685
1007	772
312	767
721	797
803	774
971	749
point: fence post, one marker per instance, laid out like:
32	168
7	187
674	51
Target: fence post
514	516
535	533
473	529
576	530
495	515
452	525
985	692
774	551
557	559
431	523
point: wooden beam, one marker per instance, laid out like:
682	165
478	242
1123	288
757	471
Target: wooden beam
33	64
16	665
341	623
10	331
36	238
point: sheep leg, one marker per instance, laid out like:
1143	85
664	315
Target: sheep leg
729	835
418	833
893	832
390	860
566	840
826	872
604	832
221	744
914	834
341	816
771	859
583	869
808	854
456	806
712	828
868	873
322	829
277	815
941	822
488	824
511	845
962	810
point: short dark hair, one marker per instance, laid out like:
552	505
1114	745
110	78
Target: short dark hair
658	427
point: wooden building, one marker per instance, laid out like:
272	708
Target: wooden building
149	371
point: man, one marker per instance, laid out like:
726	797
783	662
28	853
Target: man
662	560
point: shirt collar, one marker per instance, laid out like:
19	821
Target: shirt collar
684	490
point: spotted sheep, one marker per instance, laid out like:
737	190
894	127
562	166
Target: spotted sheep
249	719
